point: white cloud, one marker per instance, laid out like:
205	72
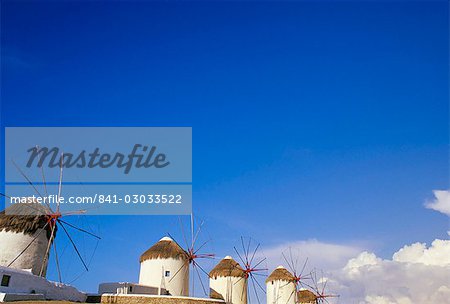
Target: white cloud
438	254
441	202
415	275
319	254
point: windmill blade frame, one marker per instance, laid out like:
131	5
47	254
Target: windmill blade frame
52	218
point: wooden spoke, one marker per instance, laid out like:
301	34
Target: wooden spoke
79	229
74	246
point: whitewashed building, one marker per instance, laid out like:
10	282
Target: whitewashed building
165	265
280	287
23	285
228	282
128	288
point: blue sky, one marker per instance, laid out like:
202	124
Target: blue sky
324	120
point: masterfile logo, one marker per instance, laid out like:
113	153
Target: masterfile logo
130	170
141	156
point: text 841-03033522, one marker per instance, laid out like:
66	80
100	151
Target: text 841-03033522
140	199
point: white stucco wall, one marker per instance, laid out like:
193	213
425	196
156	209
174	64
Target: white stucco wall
12	243
26	283
232	289
152	273
127	288
280	292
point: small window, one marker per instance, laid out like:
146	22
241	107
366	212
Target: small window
5	280
167	274
131	288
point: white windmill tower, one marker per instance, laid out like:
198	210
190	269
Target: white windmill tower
228	282
280	287
25	234
168	259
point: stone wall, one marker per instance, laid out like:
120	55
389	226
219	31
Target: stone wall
150	299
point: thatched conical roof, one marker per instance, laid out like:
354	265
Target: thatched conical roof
227	267
166	248
25	218
280	274
306	296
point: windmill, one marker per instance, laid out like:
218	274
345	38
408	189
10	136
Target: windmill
227	283
32	246
320	289
298	276
280	287
254	267
195	252
283	285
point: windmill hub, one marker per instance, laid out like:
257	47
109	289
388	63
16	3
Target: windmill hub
53	218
